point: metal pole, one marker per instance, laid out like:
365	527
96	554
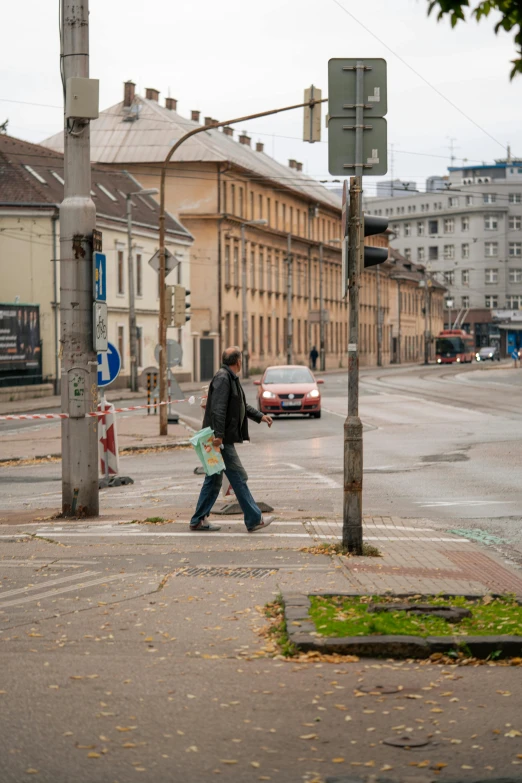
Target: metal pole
54	221
289	322
132	303
322	349
379	318
399	321
77	223
244	302
426	337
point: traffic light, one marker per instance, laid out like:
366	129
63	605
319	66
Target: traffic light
181	306
374	225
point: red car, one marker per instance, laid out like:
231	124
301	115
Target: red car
289	388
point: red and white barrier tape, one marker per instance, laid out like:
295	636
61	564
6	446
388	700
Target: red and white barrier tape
96	414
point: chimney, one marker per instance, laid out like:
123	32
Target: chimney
208	120
259	146
292	163
128	93
244	139
228	131
171	104
151	94
299	166
194	115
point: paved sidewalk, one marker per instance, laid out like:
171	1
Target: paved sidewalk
419	558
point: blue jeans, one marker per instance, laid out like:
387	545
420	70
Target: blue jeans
238	478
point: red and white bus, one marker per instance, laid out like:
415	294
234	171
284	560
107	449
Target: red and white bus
454	345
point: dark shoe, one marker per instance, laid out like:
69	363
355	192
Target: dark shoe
265	521
205	526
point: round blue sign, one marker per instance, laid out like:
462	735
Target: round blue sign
109	365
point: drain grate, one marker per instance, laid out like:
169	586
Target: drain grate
223	571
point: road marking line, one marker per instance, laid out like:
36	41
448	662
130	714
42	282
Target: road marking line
68	589
318	476
49	583
442	503
168	534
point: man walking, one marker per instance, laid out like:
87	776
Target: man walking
314	355
227	412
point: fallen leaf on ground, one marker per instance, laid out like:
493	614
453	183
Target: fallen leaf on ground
338	760
93	755
308	736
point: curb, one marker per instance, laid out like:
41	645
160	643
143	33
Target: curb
123	451
302	633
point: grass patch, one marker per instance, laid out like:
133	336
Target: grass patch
277	630
338	549
149	521
348	616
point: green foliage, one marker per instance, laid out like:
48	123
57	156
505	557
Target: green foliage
348	616
511	18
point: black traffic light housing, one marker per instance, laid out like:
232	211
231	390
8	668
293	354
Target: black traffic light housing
188	316
374	255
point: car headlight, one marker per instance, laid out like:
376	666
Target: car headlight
458	358
313	393
490	355
439	361
268	395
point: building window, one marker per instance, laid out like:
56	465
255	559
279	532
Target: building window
491	276
121	345
449	252
236	328
491	249
490	222
252	334
227	264
515	222
449	225
515	198
449	277
236	266
421	254
469	201
252	216
233	199
407	253
261	272
515	249
464	250
464	224
253	270
420	228
121	273
269	334
465	277
465	301
139	345
283	216
224	205
269	273
453	201
515	275
277	214
139	274
407	229
514	302
261	336
433	253
489	198
260	205
241	202
433	226
491	302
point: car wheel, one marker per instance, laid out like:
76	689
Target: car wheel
316	415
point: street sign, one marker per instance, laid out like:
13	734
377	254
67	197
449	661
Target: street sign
100	277
109	365
174	353
341	147
342	87
171	261
100	326
514	355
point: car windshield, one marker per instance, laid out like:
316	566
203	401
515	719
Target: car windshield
450	345
486	350
288	375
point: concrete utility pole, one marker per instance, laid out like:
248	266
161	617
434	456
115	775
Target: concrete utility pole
162	265
289	291
379	317
244	307
77	223
399	325
322	348
353	433
133	334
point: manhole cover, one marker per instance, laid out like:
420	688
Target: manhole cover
223	571
406	741
378	689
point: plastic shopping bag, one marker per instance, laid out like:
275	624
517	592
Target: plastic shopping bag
210	457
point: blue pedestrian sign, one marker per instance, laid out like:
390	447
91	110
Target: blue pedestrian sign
109	365
514	355
100	277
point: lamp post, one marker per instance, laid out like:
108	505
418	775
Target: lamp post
133	379
246	358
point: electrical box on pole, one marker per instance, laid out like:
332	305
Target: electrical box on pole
312	115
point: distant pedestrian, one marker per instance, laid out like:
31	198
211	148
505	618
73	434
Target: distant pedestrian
227	412
314	355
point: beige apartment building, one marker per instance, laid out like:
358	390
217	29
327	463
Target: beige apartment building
31	189
252	219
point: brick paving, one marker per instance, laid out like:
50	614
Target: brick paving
418	558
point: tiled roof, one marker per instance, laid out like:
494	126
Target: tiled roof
147	139
23	165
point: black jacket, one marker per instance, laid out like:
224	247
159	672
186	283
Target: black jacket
223	410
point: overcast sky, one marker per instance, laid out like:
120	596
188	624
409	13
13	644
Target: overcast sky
237	57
